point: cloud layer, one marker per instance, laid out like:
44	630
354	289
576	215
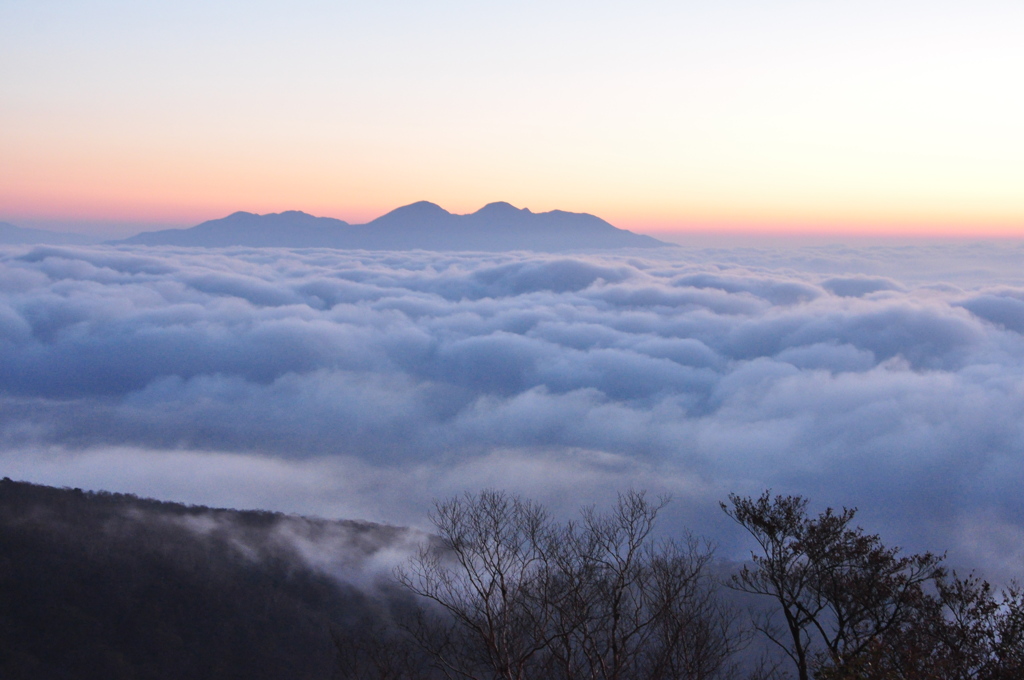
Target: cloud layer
365	384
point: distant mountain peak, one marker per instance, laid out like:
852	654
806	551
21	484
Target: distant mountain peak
419	208
284	214
502	208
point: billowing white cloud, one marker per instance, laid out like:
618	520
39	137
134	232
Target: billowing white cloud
364	384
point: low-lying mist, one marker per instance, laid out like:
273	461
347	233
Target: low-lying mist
365	384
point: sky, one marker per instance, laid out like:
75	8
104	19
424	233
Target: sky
366	385
842	118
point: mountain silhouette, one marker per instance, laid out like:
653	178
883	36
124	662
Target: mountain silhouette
418	226
12	235
290	229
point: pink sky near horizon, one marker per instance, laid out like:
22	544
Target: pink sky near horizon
869	118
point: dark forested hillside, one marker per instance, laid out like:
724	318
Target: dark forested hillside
100	585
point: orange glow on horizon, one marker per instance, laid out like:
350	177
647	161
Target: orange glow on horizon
834	227
148	215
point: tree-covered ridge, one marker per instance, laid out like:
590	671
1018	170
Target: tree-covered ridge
102	585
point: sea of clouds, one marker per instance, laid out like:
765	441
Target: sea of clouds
366	384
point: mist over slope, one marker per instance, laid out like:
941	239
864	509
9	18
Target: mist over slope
365	384
99	585
419	226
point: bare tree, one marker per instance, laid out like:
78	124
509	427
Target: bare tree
595	599
607	601
633	607
487	576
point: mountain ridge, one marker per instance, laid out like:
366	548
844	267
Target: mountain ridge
423	225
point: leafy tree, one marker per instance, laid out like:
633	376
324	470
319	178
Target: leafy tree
848	607
841	595
965	631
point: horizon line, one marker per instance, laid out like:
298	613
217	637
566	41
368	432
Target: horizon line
117	226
